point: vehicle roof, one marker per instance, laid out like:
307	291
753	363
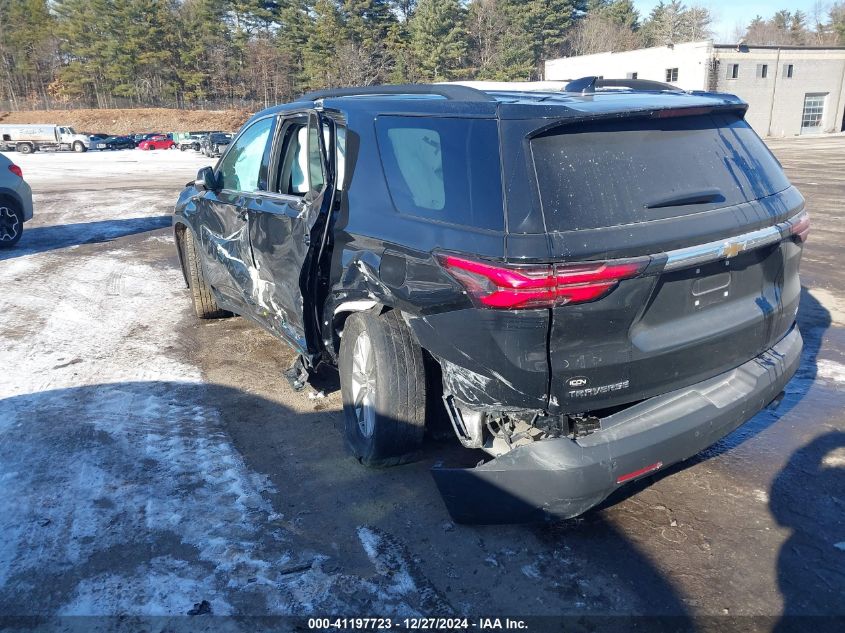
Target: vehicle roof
519	103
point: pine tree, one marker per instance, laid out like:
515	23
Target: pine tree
439	39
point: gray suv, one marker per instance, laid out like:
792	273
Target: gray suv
15	203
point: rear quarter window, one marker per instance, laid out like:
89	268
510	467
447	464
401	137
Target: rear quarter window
444	169
612	173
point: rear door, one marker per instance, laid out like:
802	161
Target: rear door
222	221
701	199
286	228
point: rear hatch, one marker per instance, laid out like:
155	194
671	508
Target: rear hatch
701	207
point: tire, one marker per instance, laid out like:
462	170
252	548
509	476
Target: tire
79	147
205	306
182	148
25	148
387	426
11	223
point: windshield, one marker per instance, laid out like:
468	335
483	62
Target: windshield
611	173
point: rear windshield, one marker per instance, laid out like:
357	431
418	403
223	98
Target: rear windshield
619	172
443	169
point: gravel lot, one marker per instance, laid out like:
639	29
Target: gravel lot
149	461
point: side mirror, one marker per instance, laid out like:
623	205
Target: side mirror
206	180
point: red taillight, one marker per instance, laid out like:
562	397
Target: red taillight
17	171
800	226
499	286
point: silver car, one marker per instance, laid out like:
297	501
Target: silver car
15	203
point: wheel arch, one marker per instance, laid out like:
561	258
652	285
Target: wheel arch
179	229
341	310
12	196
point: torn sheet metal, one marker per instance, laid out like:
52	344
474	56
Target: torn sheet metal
561	478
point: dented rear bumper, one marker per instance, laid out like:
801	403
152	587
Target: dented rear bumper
562	478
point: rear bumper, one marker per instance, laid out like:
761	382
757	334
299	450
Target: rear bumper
25	193
562	478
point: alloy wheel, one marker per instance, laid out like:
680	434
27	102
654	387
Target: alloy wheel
9	224
364	384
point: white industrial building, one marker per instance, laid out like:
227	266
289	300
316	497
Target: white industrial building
790	90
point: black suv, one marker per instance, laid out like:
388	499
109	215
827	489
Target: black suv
594	283
214	143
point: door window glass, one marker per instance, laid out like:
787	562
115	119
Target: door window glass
315	160
301	169
241	169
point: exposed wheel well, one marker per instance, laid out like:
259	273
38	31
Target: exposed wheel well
339	321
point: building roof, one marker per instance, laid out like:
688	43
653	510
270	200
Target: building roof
780	47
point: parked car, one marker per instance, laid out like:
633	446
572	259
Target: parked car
594	284
15	203
158	141
192	141
215	143
114	142
95	138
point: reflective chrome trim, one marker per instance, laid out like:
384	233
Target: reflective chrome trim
731	247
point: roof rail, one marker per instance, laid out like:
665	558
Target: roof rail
452	92
589	85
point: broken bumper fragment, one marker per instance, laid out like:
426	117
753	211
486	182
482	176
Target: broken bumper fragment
562	478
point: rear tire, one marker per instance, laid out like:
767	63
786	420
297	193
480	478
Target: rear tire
11	223
25	148
205	305
382	384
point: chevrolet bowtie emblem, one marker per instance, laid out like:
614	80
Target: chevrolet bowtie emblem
732	249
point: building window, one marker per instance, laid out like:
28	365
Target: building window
671	74
811	118
631	76
733	71
762	71
787	71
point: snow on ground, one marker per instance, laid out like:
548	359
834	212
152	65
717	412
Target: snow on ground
68	170
122	492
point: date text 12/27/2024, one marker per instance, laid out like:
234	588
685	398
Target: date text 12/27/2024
422	624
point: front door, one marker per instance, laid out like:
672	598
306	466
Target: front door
287	227
242	177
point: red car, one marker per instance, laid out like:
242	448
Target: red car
160	141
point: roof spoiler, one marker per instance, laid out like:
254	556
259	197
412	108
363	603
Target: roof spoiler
452	92
589	85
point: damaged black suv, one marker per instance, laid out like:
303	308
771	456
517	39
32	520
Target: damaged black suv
595	282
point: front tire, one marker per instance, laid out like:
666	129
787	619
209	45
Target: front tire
78	147
11	223
205	305
382	384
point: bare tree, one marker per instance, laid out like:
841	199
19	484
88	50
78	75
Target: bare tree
598	34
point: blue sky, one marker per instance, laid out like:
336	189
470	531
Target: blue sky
728	13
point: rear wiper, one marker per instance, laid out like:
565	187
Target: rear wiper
702	196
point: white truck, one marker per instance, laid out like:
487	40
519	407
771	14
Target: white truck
29	138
